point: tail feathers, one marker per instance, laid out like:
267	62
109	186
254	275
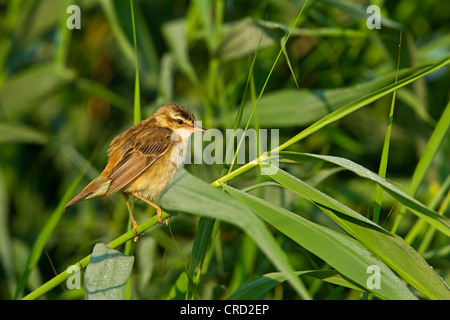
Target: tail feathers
96	188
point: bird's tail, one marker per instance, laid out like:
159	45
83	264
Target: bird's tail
95	188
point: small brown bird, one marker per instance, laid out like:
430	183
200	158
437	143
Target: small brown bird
143	159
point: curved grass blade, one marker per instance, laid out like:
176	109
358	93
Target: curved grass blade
442	223
341	252
392	249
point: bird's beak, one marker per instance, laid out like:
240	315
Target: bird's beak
197	128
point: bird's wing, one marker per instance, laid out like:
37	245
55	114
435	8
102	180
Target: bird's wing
146	149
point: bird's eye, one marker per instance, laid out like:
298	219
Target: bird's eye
180	121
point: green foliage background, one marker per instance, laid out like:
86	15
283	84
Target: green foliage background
64	94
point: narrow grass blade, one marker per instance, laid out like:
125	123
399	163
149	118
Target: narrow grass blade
353	259
137	95
392	249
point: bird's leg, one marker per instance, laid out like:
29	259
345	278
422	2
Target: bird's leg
158	209
133	221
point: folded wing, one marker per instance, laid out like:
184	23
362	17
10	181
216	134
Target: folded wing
146	149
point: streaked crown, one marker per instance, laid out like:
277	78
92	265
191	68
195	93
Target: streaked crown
174	116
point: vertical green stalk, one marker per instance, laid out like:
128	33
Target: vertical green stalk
384	155
137	119
137	101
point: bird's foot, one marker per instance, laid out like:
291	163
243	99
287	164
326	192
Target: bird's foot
160	219
136	238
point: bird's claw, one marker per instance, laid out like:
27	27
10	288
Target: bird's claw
161	220
137	234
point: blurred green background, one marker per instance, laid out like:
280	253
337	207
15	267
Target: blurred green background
64	95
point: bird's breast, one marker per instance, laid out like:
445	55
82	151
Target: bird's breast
154	180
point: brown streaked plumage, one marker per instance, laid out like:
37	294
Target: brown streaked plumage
143	159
